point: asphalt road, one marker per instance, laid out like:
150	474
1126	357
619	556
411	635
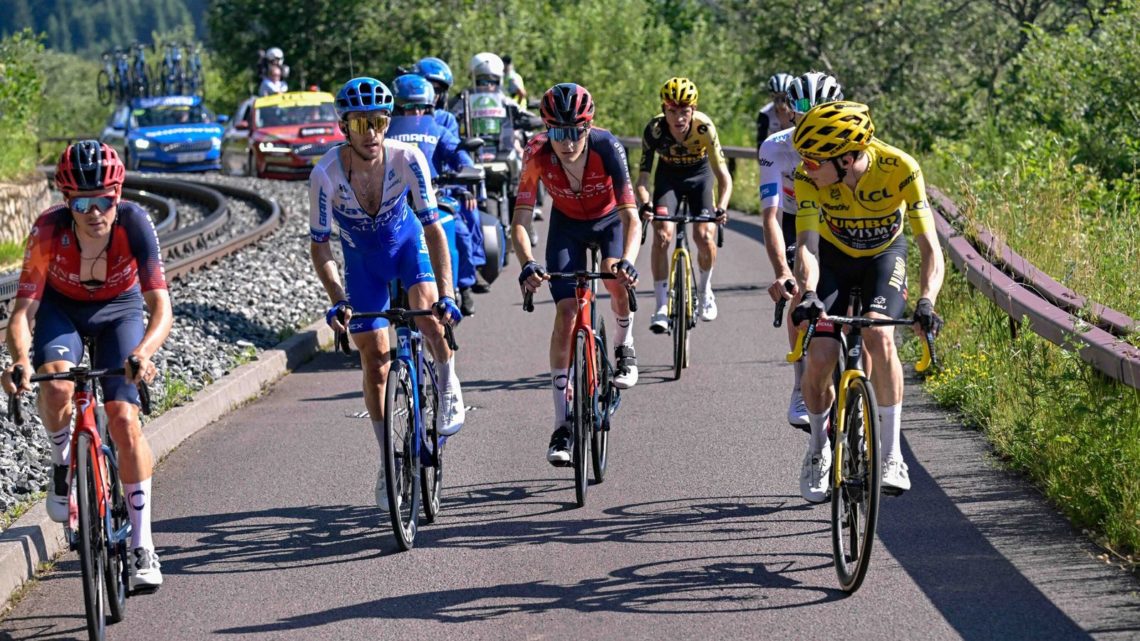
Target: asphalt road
267	530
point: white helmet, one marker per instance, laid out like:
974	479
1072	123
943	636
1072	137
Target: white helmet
486	64
274	53
811	89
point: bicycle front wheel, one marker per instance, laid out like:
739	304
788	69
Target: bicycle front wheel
600	434
117	567
681	314
855	501
92	545
431	474
583	415
401	467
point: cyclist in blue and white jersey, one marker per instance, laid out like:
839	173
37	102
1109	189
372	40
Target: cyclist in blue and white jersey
777	114
439	75
778	161
413	123
379	194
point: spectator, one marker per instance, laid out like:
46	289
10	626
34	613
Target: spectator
273	82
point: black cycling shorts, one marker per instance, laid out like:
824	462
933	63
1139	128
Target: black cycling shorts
694	183
568	239
788	227
881	279
117	327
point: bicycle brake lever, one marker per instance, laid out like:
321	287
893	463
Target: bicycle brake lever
632	298
15	410
528	301
449	334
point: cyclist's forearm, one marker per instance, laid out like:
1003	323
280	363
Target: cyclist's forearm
19	338
440	255
933	267
774	240
723	187
327	272
161	320
642	188
631	223
520	233
807	266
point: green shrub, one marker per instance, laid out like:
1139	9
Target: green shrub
20	101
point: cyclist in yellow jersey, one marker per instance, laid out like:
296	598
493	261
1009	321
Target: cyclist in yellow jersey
690	156
852	192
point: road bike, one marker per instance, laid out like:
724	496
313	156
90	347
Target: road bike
413	446
195	77
100	528
856	469
683	283
105	87
591	395
172	77
140	77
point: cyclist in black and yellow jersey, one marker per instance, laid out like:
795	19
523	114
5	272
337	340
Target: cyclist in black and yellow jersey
853	192
686	142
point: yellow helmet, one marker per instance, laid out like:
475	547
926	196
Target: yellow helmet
679	91
833	129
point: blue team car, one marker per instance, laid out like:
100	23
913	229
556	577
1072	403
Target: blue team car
166	133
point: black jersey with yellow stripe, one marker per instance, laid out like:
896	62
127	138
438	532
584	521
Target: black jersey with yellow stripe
699	146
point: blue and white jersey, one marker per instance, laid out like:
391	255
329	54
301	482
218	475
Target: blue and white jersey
778	162
406	188
437	143
447	120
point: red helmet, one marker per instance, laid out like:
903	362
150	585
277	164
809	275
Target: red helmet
567	105
89	165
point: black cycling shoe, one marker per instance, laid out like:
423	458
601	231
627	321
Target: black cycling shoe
481	285
559	453
467	304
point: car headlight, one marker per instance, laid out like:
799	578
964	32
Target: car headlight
142	143
216	143
270	147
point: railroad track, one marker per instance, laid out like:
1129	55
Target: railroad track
187	248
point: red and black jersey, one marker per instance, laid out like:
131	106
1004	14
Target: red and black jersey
605	177
52	256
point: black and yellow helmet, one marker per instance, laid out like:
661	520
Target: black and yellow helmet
679	91
833	129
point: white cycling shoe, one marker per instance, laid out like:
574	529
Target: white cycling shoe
381	489
798	411
708	309
452	412
659	322
59	499
895	476
815	474
146	572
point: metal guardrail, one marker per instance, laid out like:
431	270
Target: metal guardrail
1053	311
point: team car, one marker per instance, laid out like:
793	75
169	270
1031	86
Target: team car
282	135
166	133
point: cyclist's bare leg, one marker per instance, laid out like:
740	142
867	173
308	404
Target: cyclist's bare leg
560	338
423	296
374	361
659	253
882	363
619	297
55	398
136	462
818	387
705	235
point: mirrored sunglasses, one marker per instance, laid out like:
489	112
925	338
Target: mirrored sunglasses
811	164
84	204
565	133
376	122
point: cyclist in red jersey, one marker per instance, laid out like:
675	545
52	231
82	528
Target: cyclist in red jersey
586	175
89	266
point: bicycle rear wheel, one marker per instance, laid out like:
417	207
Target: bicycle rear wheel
103	87
680	320
431	474
855	502
583	415
599	447
92	545
401	467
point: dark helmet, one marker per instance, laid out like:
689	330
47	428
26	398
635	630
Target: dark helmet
567	105
89	165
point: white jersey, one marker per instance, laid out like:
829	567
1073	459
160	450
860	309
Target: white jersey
406	188
778	162
269	87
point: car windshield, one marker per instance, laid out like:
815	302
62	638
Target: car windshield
295	115
172	115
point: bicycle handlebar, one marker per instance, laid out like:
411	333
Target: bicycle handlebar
15	410
395	315
789	285
687	219
803	338
528	297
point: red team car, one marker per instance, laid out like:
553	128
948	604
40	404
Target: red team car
280	136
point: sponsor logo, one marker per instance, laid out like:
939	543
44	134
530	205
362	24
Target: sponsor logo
65	240
887	161
898	276
808	204
61	349
863	233
920	204
835	193
323	208
702	129
880	302
417	138
769	189
908	180
854	352
764	162
878	195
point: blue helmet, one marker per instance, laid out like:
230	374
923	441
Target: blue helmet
363	94
434	69
412	89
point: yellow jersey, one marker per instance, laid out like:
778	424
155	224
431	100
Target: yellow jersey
864	221
699	145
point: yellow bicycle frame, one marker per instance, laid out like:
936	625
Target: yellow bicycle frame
681	254
841	426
